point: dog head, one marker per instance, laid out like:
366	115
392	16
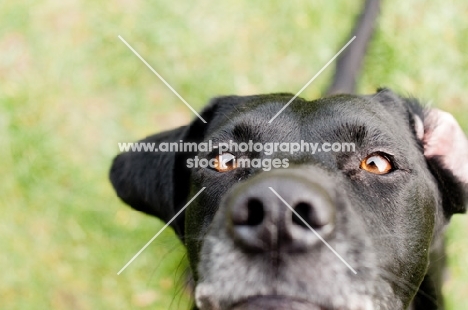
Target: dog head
353	229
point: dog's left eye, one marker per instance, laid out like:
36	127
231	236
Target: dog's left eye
225	162
377	163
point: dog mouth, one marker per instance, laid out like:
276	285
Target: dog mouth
275	303
278	302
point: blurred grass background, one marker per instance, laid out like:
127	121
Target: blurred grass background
70	90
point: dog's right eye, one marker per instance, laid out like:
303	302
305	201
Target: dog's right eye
377	163
225	162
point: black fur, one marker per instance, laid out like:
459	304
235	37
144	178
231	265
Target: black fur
396	219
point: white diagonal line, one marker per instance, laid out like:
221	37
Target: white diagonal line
313	230
160	231
161	78
312	79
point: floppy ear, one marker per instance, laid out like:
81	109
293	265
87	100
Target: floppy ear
446	151
145	180
158	183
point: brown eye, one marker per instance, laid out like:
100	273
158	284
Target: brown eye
225	162
377	163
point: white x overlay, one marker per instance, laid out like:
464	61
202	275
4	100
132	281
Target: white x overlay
201	118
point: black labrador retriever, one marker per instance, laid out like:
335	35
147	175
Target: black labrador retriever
355	229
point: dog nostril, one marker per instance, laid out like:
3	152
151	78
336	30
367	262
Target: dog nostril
304	210
255	212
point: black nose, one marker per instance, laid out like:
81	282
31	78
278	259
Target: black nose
287	213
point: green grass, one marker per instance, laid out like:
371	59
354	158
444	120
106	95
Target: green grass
70	90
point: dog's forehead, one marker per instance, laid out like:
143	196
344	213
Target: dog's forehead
327	118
